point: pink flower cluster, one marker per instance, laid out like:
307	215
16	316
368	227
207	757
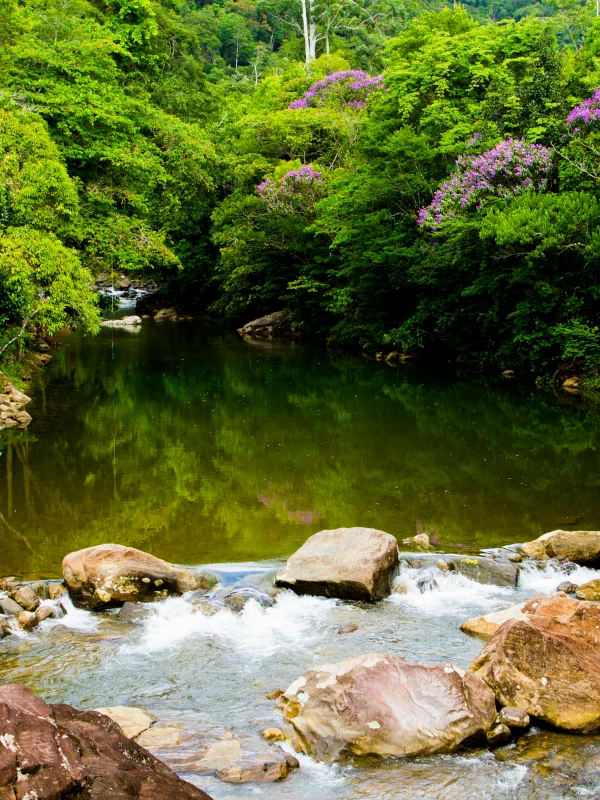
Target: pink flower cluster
586	113
296	192
510	168
353	83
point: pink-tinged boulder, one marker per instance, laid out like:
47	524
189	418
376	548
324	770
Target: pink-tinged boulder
350	563
111	574
548	663
48	752
383	705
487	625
581	547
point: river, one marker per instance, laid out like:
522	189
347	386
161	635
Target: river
204	449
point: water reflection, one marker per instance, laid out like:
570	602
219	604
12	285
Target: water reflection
199	447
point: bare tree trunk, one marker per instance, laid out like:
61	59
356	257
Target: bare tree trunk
305	33
327	38
312	31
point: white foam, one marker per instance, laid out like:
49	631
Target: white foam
326	775
454	592
258	632
545	580
75	618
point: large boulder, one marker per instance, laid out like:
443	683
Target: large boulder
581	547
49	752
383	705
109	575
548	663
276	325
351	563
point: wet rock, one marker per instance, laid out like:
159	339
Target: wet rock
427	584
350	563
125	322
273	735
54	751
236	599
43	613
498	735
131	720
548	663
421	541
487	625
27	620
168	315
485	570
277	325
571	383
6	584
516	558
580	547
5	629
110	574
9	607
159	736
134	612
442	565
589	590
514	717
56	590
567	587
26	597
384	705
347	627
274	695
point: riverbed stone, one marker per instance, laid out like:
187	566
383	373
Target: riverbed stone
56	590
27	620
498	735
26	597
548	663
132	720
589	590
383	705
567	587
9	607
514	717
485	570
43	613
580	547
109	575
487	625
350	563
159	736
237	598
49	752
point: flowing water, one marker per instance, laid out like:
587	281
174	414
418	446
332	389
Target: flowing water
207	450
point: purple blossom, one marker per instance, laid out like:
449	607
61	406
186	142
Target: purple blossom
512	167
352	83
297	191
586	113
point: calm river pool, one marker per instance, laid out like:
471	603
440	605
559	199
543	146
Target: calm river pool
204	449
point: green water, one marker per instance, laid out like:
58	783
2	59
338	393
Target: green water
199	447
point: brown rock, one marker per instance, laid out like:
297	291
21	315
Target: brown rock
383	705
27	620
158	737
589	590
9	607
273	735
59	752
498	735
567	587
347	627
548	663
56	590
487	625
514	717
43	613
274	695
581	547
111	574
351	563
26	597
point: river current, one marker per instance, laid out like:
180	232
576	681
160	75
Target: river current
207	450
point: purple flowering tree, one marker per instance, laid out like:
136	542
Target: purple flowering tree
583	148
350	87
296	192
586	114
509	169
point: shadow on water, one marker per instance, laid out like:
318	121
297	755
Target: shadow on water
199	447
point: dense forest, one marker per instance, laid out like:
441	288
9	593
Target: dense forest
396	174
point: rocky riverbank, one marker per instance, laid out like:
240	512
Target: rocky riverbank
539	666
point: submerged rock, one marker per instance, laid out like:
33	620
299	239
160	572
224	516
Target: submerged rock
111	574
236	599
350	563
383	705
54	751
132	721
580	547
548	663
